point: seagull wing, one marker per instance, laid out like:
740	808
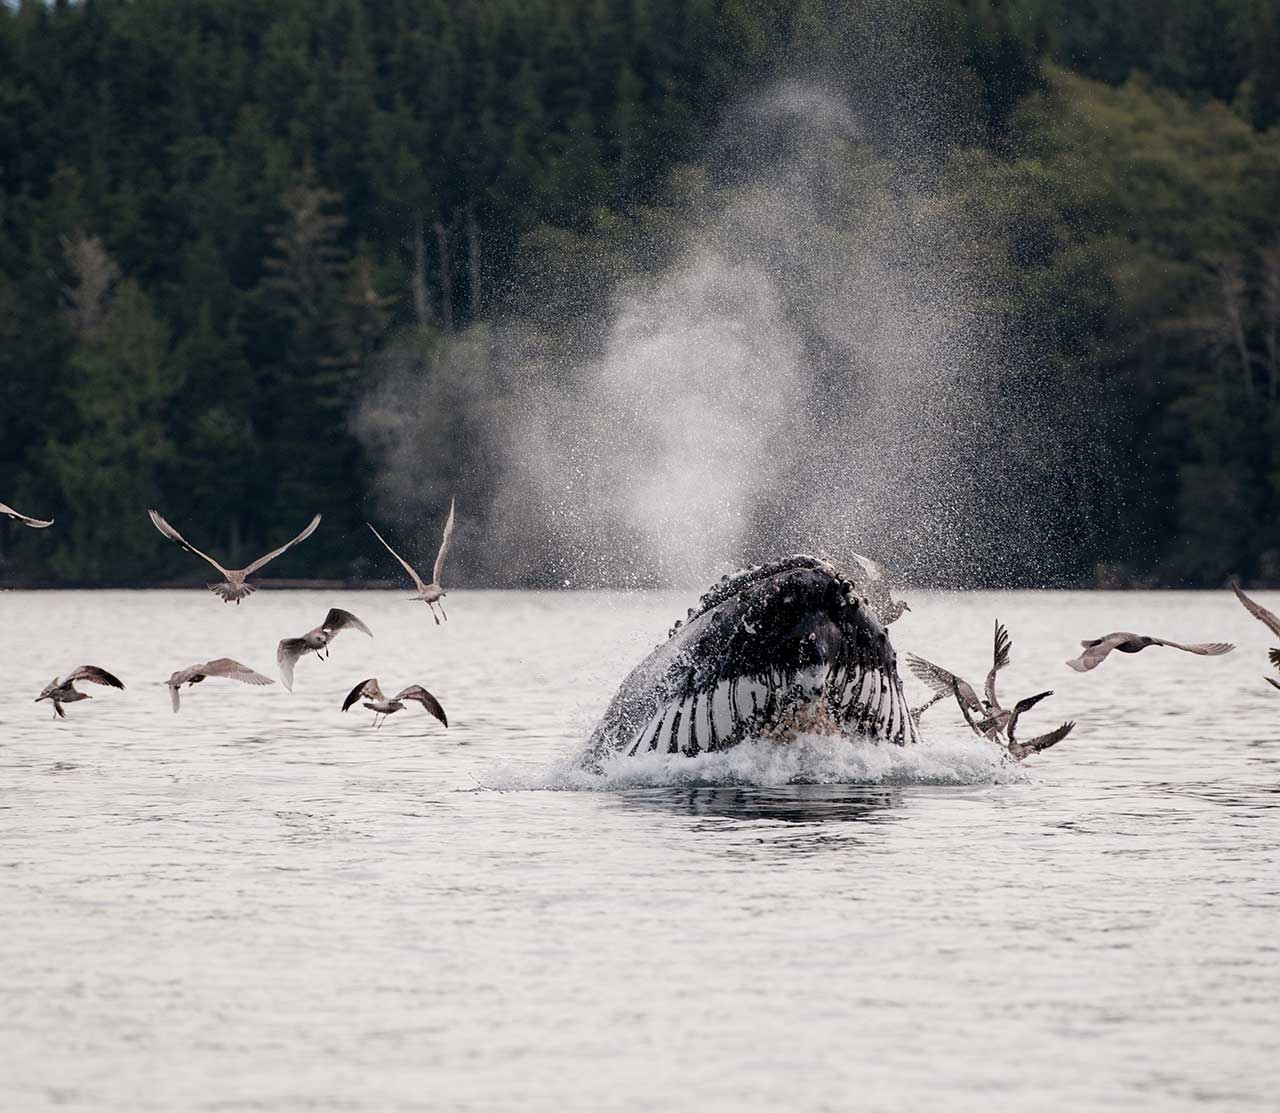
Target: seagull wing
1203	649
173	535
444	547
916	712
404	563
944	682
367	688
419	693
1274	657
311	528
94	675
1019	750
34	523
999	658
1095	651
287	654
338	619
1258	611
174	697
1024	705
234	670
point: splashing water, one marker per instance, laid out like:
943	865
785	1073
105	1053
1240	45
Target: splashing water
806	760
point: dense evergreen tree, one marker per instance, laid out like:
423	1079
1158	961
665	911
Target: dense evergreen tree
219	220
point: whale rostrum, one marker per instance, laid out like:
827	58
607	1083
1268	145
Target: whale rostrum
785	648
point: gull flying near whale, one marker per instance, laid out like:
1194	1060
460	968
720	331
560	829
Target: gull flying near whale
874	581
376	702
235	588
34	523
315	641
223	666
1270	621
995	722
62	689
431	593
1096	650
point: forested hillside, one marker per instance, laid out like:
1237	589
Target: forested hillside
223	221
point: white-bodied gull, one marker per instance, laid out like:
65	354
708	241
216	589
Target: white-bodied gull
431	593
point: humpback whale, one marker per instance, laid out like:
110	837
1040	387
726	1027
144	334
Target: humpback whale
779	649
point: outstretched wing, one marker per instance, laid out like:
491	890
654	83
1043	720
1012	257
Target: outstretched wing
287	654
1019	750
234	670
338	619
1202	649
1274	657
311	528
1024	705
444	547
419	693
944	682
174	689
1258	611
173	535
1095	651
999	658
34	523
94	675
916	712
404	563
367	688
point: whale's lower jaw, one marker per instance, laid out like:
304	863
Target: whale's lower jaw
778	706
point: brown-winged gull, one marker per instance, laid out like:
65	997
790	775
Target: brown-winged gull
62	689
235	588
1270	621
431	593
873	581
994	722
222	666
315	641
379	704
1096	650
34	523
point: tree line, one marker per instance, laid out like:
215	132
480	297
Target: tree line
217	217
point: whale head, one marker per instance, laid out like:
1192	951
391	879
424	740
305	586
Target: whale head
784	648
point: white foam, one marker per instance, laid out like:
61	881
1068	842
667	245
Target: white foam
808	759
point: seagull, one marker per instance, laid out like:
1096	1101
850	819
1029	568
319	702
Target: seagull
1270	621
235	587
431	593
875	582
376	702
223	666
34	523
62	689
1096	650
313	641
997	724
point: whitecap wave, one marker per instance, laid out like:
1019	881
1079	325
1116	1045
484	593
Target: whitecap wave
807	759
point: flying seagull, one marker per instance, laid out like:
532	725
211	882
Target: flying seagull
995	722
431	593
315	641
235	587
1270	621
376	702
223	666
34	523
1096	650
62	689
875	582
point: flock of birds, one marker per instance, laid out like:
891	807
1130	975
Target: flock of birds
985	715
232	588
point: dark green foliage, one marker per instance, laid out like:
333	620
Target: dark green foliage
216	215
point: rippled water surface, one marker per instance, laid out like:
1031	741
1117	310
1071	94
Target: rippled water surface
262	903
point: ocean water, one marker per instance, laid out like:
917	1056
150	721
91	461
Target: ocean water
262	903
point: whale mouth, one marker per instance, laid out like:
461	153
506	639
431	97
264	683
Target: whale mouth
777	651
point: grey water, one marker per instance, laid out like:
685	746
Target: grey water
262	903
